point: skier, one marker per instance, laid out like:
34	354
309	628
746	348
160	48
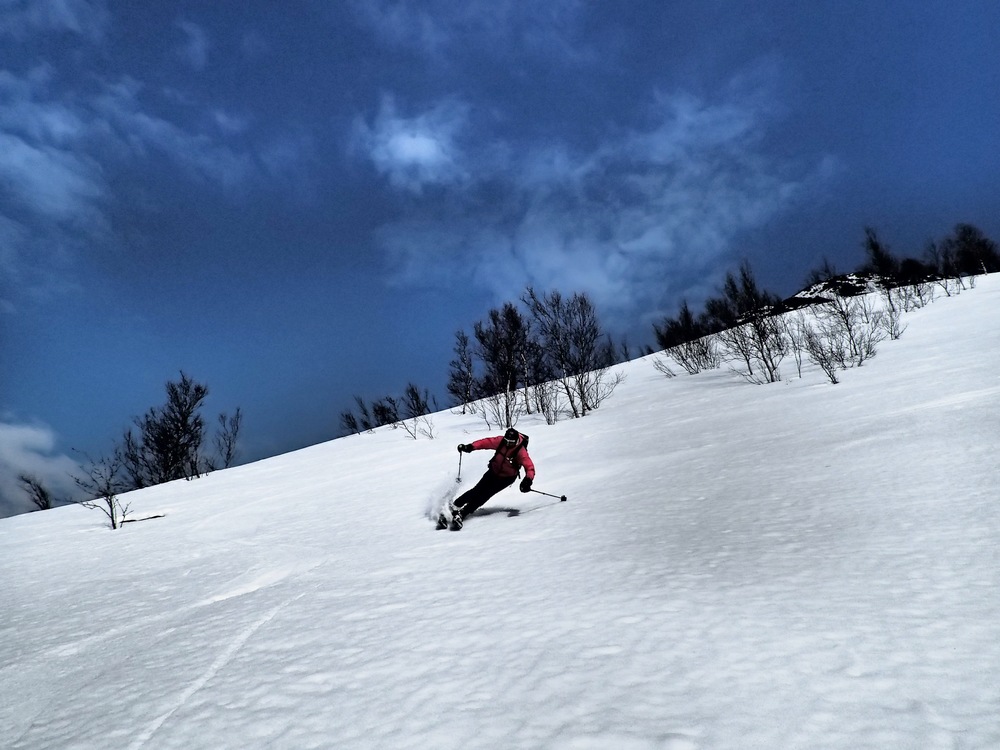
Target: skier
504	468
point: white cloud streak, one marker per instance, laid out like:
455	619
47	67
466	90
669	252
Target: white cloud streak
54	183
29	449
86	18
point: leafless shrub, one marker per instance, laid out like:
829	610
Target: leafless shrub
598	388
826	353
922	293
416	410
890	321
796	332
687	340
103	480
226	439
502	409
573	346
662	365
759	345
845	332
697	355
545	397
859	322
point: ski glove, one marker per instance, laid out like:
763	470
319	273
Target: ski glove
526	484
465	448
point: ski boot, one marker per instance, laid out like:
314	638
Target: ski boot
456	519
443	520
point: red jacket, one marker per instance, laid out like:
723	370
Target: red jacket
506	463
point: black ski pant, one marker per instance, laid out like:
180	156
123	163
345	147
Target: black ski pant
486	488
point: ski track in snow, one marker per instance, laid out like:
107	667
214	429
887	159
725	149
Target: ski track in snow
235	645
793	566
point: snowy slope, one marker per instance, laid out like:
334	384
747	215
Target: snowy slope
799	565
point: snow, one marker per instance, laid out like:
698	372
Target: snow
797	565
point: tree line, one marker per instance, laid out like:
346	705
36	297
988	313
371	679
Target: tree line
548	354
836	325
545	354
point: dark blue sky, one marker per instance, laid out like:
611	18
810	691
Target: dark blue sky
297	202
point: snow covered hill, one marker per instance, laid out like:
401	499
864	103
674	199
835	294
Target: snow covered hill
797	565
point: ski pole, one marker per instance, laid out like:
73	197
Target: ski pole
458	479
562	498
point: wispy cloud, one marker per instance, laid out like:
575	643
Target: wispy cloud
438	27
414	152
193	49
30	449
57	148
87	18
52	182
632	221
139	134
40	163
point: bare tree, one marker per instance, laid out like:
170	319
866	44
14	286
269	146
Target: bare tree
796	334
826	352
941	257
103	481
349	422
883	265
546	398
37	492
168	443
386	411
973	252
857	322
502	348
747	327
409	412
227	436
461	375
686	339
662	365
416	409
845	332
364	421
578	352
501	409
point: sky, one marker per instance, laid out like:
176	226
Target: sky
829	582
296	203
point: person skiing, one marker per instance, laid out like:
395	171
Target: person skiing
504	468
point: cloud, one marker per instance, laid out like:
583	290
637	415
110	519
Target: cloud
439	28
139	135
418	151
51	182
645	216
86	18
30	449
40	162
193	50
58	147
